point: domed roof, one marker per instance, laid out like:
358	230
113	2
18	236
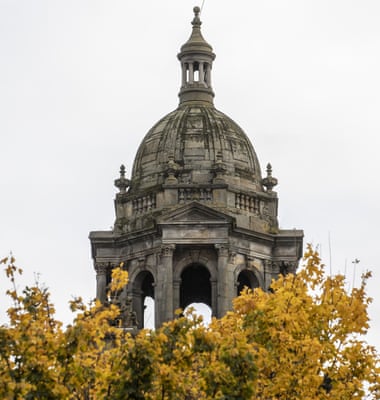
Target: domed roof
196	137
196	143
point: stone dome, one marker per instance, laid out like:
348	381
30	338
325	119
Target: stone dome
198	141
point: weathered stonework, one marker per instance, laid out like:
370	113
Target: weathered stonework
196	222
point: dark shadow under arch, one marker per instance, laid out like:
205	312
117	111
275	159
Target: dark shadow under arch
195	285
248	279
143	287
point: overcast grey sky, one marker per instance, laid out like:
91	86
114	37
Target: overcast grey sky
81	82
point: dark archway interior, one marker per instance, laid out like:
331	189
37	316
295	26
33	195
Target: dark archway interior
147	285
195	285
247	279
143	287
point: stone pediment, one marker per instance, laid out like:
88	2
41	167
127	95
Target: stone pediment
194	213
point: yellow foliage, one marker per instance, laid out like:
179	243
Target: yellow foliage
304	339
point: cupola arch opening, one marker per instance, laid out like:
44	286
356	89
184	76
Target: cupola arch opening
142	288
195	286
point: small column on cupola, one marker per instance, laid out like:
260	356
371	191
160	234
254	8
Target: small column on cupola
196	57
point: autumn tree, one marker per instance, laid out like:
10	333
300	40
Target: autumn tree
303	339
308	334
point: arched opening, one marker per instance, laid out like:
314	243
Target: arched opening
196	72
142	291
195	285
203	310
247	279
149	312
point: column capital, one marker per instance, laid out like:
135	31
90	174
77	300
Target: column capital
271	266
101	267
141	261
222	249
288	267
167	250
250	260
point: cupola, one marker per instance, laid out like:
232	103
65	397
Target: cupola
196	59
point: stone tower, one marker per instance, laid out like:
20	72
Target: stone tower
196	222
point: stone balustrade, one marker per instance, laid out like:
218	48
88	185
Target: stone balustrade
144	204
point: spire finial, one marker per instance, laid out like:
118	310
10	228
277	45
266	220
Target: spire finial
122	183
269	182
196	20
269	169
122	171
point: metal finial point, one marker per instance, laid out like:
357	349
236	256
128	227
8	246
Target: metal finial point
196	10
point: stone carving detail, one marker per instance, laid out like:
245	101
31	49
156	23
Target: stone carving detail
266	211
122	183
185	178
190	194
270	266
232	259
102	268
250	261
194	255
248	203
167	250
141	262
288	267
171	170
144	204
269	182
219	168
222	249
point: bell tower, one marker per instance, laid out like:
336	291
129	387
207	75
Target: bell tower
196	222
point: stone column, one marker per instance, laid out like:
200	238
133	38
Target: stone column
209	75
214	298
138	307
223	298
183	74
271	271
164	295
206	70
191	73
201	73
176	294
101	269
